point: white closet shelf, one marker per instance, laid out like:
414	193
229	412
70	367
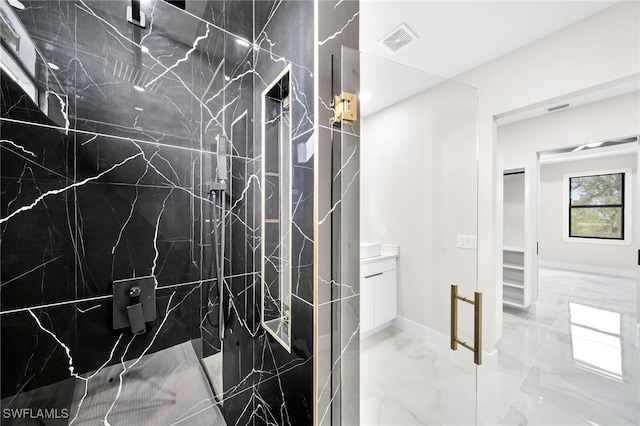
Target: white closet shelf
513	284
513	266
513	249
513	304
517	233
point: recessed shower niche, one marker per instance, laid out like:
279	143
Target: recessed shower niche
276	208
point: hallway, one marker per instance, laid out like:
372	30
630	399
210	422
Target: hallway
571	359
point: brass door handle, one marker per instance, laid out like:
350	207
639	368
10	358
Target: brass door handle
477	323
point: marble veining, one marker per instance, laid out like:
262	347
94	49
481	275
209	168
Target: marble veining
167	387
111	183
544	374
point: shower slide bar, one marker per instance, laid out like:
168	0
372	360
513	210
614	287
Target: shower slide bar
218	188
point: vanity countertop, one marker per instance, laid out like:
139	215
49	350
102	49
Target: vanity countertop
388	251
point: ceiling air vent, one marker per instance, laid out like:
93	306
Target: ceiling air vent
558	108
399	38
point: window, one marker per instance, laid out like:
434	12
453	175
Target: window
596	206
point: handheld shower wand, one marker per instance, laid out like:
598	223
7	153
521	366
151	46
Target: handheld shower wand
218	189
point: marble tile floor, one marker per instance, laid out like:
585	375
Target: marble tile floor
168	387
570	359
213	369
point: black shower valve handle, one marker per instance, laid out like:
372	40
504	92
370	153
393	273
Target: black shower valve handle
134	303
134	292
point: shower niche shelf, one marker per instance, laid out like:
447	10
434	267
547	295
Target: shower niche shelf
276	183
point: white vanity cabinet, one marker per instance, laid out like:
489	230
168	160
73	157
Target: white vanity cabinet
378	293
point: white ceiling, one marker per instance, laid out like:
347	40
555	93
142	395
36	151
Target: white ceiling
453	37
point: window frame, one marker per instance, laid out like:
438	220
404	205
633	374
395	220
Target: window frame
626	208
596	206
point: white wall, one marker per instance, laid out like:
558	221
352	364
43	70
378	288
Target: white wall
611	118
418	181
519	144
392	193
513	222
596	52
600	51
554	249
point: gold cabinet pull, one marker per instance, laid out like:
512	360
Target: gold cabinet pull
477	323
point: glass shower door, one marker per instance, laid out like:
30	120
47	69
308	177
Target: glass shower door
413	150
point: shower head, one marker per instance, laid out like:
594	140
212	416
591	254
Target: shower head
135	15
221	169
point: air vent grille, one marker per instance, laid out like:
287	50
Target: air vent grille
558	108
132	75
399	38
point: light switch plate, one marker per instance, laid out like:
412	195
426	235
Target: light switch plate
467	241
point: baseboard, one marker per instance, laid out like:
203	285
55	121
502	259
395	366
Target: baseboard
489	359
375	330
587	268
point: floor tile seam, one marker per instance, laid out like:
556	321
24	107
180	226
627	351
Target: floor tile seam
515	394
540	348
536	356
556	326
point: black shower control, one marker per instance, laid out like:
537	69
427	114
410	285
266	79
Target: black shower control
134	304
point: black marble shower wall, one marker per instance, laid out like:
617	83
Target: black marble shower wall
113	188
284	381
338	235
